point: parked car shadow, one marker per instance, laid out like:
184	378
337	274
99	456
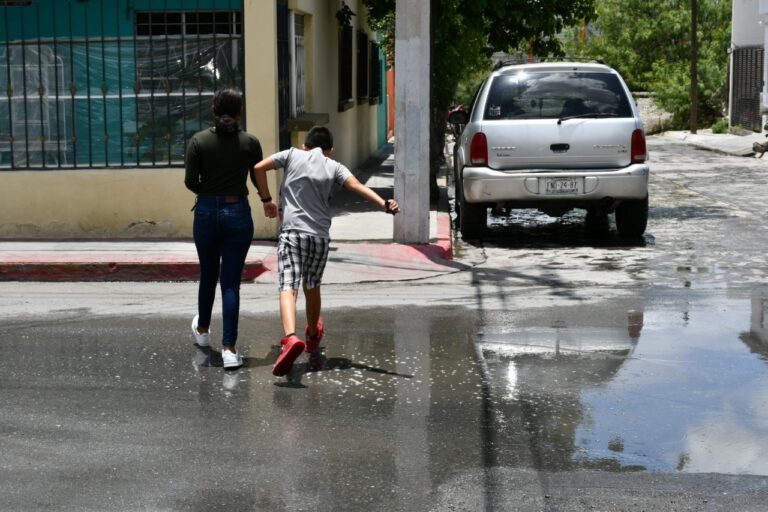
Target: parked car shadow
531	229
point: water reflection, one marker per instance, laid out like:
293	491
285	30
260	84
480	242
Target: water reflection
758	326
691	398
403	407
538	375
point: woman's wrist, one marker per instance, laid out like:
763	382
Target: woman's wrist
267	199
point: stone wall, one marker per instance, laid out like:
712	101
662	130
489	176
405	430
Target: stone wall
654	118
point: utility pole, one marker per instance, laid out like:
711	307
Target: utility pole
694	66
412	103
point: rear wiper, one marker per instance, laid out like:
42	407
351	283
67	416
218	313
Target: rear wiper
592	114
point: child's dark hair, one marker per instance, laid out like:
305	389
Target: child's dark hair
227	106
319	137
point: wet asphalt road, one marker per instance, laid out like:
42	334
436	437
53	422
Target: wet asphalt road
561	369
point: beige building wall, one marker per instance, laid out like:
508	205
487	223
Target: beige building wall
260	29
113	203
354	130
153	203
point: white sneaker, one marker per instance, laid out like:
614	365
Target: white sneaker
202	339
231	359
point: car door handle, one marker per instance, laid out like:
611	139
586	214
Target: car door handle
560	148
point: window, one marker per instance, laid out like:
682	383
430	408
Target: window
556	94
346	100
362	66
298	71
374	85
112	95
181	59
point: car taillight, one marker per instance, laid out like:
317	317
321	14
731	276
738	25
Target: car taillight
638	151
478	150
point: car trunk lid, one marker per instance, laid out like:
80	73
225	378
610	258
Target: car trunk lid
571	144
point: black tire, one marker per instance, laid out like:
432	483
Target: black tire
473	219
632	217
457	193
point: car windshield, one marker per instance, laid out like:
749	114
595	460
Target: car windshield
555	95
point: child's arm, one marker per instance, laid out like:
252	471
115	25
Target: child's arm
353	184
259	178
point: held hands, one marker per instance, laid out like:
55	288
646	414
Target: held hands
391	206
270	210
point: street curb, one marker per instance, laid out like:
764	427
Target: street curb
113	271
724	144
444	243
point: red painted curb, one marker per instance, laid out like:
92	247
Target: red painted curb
112	271
445	235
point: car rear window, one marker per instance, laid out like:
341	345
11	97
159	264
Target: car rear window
553	95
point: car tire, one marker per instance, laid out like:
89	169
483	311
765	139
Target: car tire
632	217
458	195
473	219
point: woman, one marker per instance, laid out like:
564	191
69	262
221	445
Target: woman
217	163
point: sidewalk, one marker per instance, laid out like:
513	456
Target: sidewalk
728	143
361	250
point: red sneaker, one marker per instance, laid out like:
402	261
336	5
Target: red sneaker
292	348
313	342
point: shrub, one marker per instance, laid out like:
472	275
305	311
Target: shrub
720	126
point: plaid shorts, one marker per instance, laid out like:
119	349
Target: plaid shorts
300	256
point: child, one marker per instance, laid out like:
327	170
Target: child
302	249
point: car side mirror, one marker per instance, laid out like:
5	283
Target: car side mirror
458	117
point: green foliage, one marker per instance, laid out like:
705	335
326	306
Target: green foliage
720	126
344	15
465	33
648	42
467	88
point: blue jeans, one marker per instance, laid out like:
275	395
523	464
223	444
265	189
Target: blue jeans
223	232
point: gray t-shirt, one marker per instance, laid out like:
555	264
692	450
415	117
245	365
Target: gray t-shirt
306	191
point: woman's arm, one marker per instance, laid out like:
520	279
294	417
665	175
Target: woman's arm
192	167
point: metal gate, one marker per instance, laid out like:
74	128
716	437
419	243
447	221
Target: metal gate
112	83
747	86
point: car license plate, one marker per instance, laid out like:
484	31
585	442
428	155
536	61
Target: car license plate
557	186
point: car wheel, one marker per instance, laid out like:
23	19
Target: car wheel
473	219
458	196
632	217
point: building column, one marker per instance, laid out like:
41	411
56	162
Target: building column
412	100
261	116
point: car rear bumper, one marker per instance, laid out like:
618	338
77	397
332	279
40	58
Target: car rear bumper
484	185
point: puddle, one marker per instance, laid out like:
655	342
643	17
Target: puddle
411	398
678	390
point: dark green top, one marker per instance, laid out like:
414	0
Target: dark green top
217	163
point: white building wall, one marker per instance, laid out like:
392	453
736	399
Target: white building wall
763	12
749	27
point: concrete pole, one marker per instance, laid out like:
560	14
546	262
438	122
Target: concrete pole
412	80
694	66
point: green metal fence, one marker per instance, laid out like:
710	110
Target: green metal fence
112	83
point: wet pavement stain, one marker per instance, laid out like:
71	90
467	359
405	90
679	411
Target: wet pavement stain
399	403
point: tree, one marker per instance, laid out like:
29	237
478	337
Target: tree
648	42
466	32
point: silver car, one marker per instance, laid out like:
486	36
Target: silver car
552	136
